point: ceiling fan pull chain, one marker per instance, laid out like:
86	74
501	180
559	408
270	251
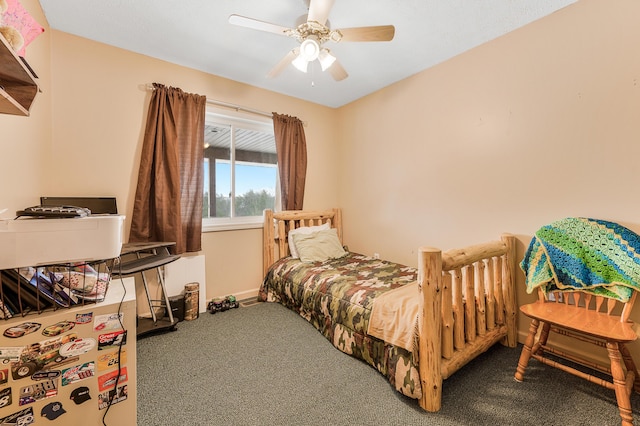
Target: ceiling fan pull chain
313	75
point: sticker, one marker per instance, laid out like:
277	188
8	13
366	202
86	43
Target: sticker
110	340
43	375
21	418
84	318
80	395
5	397
58	328
42	356
107	381
10	354
37	391
110	359
108	322
21	329
77	373
113	396
52	410
77	347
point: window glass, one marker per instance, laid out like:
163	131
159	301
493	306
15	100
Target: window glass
240	170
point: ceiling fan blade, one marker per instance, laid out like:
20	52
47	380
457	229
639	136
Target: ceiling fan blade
284	62
319	10
337	71
255	24
376	33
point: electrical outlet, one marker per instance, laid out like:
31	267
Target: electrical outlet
376	255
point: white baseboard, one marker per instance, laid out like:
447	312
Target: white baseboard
243	295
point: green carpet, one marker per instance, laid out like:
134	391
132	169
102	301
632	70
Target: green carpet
265	365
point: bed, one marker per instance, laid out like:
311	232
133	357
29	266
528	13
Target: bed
416	326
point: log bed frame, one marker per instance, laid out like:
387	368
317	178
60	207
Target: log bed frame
468	297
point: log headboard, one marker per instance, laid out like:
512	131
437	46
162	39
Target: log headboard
278	224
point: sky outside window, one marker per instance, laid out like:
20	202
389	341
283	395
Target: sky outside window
248	177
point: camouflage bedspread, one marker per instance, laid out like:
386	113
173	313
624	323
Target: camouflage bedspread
336	297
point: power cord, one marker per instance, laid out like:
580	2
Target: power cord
115	387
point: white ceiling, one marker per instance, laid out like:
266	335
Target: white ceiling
196	34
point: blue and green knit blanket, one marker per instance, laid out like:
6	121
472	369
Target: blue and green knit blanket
591	255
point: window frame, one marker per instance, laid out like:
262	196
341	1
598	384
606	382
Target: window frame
213	224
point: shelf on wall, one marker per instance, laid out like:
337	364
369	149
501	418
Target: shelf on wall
17	84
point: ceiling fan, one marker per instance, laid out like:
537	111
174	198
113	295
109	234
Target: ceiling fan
312	31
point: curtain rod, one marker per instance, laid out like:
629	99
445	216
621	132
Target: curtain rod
244	109
238	108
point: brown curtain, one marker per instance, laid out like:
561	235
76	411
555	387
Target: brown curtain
168	202
291	148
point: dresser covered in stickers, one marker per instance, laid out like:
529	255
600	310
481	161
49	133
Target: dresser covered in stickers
71	366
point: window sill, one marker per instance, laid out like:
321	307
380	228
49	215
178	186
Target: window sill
238	224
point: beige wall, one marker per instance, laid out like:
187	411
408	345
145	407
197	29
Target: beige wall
25	141
539	124
536	125
99	115
84	138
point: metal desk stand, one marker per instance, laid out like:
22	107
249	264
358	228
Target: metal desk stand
155	256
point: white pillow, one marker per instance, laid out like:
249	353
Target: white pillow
303	230
319	246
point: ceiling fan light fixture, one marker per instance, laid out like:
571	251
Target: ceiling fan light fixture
310	49
326	59
300	63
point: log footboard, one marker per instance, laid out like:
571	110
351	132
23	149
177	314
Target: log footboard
468	304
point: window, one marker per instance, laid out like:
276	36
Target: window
240	172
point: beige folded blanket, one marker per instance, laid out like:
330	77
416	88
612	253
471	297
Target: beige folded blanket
393	316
